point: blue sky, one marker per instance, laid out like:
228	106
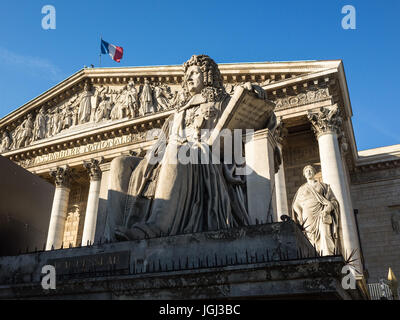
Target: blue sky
33	60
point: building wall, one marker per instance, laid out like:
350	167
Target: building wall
299	150
376	195
25	206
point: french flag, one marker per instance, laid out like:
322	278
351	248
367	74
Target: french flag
115	52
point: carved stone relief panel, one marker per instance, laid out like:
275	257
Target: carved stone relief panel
73	230
95	104
310	96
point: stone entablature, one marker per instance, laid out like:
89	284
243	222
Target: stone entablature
376	165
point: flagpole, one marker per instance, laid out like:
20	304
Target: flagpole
101	43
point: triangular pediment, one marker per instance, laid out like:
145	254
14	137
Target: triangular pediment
122	98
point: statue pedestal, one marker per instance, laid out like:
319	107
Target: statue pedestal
265	261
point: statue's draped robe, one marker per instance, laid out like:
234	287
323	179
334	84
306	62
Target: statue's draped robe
147	99
312	200
162	101
102	111
40	127
85	107
26	133
131	102
171	197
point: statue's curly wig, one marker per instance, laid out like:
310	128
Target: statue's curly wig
211	74
213	87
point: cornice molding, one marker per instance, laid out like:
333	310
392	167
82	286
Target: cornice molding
377	166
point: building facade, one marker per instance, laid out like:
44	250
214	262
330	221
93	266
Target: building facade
70	134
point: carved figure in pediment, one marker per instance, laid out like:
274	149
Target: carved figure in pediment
316	208
85	104
25	132
39	128
56	121
15	137
179	98
120	109
146	99
132	100
161	99
5	142
103	110
70	113
100	89
67	117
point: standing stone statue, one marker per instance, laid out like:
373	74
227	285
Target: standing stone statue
39	128
85	105
146	98
316	208
132	100
160	193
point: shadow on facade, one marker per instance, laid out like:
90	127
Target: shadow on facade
25	207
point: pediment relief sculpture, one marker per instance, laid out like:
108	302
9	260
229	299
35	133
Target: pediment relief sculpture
94	104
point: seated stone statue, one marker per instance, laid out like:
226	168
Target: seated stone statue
159	194
316	208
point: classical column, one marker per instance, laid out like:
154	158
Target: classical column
93	168
260	149
327	123
281	195
60	206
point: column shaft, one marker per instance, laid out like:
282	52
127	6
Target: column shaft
281	195
91	212
60	207
334	175
89	228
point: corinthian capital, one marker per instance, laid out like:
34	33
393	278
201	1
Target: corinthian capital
62	176
325	120
93	168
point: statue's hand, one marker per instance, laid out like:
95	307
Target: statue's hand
121	233
124	234
256	89
326	217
